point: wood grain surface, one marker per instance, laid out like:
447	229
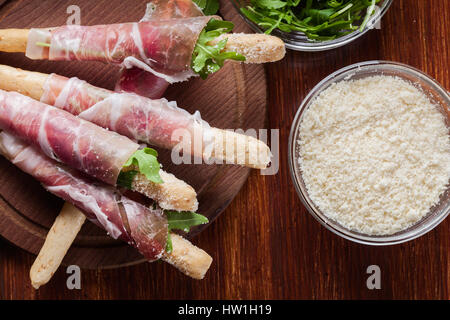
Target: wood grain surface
27	211
266	245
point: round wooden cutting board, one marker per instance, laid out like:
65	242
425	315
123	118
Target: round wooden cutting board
234	97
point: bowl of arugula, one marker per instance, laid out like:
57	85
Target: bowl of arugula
313	25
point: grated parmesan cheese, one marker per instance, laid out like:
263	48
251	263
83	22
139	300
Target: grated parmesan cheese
374	154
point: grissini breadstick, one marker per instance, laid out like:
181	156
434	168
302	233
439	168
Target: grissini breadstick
27	83
144	228
189	259
99	106
256	48
13	40
58	241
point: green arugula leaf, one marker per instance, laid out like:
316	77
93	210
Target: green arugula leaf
334	3
125	178
43	44
208	58
319	20
182	221
319	16
209	7
169	246
270	4
145	160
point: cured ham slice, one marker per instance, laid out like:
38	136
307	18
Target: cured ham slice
157	122
141	82
162	47
63	137
171	9
145	83
144	228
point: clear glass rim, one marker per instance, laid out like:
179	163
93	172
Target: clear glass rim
321	45
418	229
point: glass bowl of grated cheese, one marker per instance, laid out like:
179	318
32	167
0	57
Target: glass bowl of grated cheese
369	153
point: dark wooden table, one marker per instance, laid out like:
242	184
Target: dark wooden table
266	245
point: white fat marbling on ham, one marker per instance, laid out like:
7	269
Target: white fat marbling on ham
144	228
42	135
64	95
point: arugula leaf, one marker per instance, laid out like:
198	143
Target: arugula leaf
334	3
319	16
169	246
145	160
182	221
208	58
270	4
209	7
43	44
125	178
318	19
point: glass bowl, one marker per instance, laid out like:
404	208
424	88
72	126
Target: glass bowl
431	88
298	40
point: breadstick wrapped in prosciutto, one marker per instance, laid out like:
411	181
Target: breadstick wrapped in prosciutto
156	122
102	154
158	47
172	49
146	229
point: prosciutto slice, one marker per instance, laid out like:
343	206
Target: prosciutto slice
171	9
144	228
157	122
141	82
146	83
162	47
65	138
